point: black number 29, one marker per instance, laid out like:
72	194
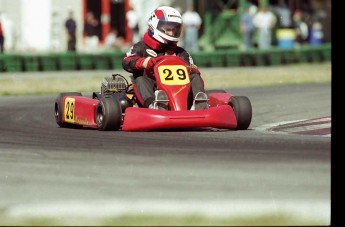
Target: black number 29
180	73
70	110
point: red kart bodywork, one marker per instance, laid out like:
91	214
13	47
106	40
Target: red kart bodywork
141	119
148	119
80	110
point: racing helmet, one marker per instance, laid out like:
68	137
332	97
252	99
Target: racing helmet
165	25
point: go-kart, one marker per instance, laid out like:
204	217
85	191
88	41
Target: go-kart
117	107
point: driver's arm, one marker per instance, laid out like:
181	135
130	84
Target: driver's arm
132	56
190	62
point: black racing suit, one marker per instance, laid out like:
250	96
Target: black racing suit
149	47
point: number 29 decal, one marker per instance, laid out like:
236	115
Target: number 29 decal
69	110
173	74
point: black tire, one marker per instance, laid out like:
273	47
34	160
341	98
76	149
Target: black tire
58	110
108	116
214	91
243	111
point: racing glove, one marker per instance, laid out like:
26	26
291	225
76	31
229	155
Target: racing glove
193	69
145	63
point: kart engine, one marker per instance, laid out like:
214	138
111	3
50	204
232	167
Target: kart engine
115	84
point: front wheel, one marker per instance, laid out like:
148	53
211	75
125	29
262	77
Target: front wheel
243	111
108	114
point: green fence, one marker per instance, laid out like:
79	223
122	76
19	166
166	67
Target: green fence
10	63
271	57
216	58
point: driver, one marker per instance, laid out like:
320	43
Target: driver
164	30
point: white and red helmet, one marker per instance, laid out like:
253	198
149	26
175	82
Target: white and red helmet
165	17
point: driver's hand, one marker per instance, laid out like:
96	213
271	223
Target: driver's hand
145	63
193	69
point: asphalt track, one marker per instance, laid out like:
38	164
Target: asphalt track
46	170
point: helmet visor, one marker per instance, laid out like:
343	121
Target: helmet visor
169	28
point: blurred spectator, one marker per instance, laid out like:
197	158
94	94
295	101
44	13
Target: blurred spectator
300	27
247	28
71	29
316	34
91	31
114	41
133	23
2	38
6	33
284	14
191	24
264	20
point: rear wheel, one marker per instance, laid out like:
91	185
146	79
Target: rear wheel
59	110
108	114
243	111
